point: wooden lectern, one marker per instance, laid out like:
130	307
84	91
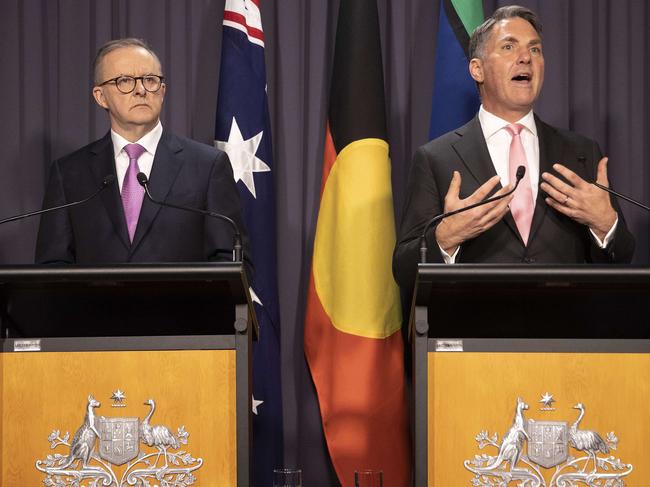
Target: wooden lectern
531	375
125	375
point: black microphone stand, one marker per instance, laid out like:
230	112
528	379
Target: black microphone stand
236	246
108	180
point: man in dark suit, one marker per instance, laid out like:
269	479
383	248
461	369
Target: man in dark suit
121	225
565	219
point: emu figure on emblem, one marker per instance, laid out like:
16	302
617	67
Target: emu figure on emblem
513	441
585	440
83	441
158	436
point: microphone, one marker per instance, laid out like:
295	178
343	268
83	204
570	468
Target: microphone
521	171
236	246
622	196
106	182
582	159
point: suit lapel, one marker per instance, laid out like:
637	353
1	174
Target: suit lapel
102	164
473	151
166	165
550	152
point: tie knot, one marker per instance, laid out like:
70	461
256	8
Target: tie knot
514	128
134	151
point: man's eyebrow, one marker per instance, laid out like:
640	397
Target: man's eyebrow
514	40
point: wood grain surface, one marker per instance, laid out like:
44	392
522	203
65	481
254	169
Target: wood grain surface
42	392
473	392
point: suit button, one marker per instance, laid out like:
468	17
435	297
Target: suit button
529	260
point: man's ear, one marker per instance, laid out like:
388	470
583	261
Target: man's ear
98	95
476	69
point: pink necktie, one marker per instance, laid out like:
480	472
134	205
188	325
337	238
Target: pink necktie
132	192
521	207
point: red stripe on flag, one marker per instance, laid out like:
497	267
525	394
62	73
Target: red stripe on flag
241	20
360	387
329	158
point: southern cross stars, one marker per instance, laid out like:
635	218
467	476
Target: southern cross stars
242	156
256	403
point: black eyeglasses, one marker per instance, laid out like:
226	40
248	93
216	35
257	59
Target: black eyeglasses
126	84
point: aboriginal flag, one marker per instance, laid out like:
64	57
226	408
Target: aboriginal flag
353	342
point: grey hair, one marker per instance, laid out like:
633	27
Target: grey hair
481	34
119	44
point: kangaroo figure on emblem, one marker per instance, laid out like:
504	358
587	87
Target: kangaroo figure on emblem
513	441
83	441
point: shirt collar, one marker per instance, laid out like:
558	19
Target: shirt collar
149	140
491	124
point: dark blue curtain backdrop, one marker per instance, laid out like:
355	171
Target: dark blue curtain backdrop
597	79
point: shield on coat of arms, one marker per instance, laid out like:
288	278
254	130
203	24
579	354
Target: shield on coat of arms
548	443
118	439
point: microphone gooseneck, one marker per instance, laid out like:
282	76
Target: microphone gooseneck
237	244
106	182
622	196
521	172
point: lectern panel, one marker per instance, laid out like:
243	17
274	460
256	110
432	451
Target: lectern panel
118	415
556	414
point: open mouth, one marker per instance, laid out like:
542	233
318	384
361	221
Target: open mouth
522	78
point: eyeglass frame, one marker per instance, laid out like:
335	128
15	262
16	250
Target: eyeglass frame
135	78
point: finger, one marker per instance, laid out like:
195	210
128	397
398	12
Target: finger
496	210
565	210
601	174
559	196
484	190
569	175
454	185
557	184
504	190
494	216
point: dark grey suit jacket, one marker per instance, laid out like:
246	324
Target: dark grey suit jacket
184	172
554	238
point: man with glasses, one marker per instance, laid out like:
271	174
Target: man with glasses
121	225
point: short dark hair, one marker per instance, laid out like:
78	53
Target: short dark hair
119	44
481	34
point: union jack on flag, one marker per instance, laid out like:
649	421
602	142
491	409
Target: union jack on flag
243	131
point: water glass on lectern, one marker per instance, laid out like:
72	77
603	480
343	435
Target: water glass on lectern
287	477
368	478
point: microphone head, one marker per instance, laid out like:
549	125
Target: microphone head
142	179
521	172
108	180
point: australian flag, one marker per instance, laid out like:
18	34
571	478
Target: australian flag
243	131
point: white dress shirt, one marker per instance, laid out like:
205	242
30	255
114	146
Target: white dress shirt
145	162
498	141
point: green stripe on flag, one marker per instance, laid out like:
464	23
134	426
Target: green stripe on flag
470	13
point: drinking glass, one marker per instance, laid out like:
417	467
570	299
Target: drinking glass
368	478
287	477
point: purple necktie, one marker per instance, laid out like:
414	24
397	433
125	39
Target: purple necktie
132	192
521	206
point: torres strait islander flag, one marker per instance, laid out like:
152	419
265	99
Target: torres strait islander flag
353	342
243	131
455	96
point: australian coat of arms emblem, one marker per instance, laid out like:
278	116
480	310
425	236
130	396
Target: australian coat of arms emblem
147	454
530	446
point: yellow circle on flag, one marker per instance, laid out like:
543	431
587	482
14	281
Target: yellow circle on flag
355	237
